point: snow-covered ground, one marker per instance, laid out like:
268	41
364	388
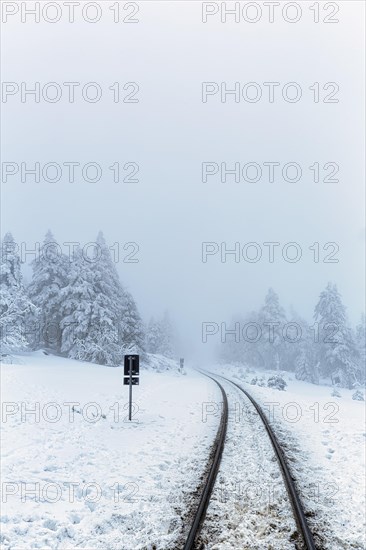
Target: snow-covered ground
324	439
79	475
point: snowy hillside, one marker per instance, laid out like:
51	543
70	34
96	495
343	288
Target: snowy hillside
77	474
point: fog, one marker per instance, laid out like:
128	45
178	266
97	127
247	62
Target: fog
170	132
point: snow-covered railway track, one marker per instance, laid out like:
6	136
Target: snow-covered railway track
199	514
210	525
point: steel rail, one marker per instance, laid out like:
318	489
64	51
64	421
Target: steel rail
200	513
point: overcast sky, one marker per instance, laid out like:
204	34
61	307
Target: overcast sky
169	212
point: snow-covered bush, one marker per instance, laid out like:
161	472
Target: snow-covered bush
254	381
358	396
261	382
160	363
335	393
276	382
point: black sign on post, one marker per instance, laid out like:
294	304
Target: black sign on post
135	365
131	377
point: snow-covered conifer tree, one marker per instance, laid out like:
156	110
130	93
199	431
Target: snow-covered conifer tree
15	306
133	334
49	278
336	350
360	338
77	299
153	336
167	333
160	336
272	320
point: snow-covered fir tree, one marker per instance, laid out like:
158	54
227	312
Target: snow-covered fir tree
133	333
272	319
153	336
231	346
111	297
16	309
360	338
336	350
167	341
299	349
304	369
77	299
49	277
160	336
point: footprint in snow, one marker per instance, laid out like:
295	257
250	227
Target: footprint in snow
50	468
74	518
164	466
91	505
50	524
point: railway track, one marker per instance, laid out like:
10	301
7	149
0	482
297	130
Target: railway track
297	508
211	478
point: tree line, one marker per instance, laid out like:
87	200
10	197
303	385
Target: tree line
329	348
74	305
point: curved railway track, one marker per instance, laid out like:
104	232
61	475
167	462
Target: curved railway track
295	500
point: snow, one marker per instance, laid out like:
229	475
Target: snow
324	440
115	484
103	482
